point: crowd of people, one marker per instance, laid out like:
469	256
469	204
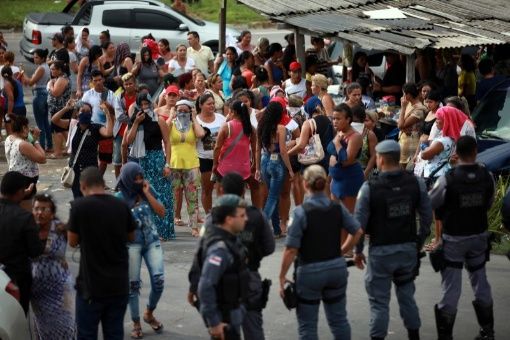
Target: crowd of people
177	126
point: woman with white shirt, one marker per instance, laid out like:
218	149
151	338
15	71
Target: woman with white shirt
211	122
181	63
23	152
83	42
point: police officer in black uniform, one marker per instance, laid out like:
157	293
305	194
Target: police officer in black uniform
223	283
461	199
386	208
258	239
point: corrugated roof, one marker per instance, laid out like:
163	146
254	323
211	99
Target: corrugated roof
429	23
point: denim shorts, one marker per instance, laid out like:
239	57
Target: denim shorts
117	150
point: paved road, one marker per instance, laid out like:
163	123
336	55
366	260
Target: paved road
183	323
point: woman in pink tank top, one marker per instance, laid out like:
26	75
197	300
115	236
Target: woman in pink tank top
232	151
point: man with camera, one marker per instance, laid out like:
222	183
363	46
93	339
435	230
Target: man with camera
461	199
386	208
95	97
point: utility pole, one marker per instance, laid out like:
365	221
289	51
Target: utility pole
223	26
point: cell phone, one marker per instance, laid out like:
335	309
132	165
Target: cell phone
104	96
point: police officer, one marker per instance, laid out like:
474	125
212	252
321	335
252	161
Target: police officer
461	199
386	208
258	239
314	237
224	276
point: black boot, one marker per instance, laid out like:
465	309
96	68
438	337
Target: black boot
444	324
485	318
413	334
377	338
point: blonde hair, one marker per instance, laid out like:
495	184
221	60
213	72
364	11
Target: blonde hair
320	80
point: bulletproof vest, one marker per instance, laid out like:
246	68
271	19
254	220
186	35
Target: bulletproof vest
232	288
251	235
468	193
393	202
321	239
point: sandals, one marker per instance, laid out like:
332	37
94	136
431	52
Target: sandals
155	324
179	222
195	232
136	333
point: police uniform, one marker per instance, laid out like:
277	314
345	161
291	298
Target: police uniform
321	270
461	199
386	207
223	281
258	239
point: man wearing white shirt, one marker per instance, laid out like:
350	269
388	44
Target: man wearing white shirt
201	55
295	85
94	97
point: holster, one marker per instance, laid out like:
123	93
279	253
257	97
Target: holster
437	259
266	285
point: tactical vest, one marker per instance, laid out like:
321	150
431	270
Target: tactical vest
393	203
468	193
232	289
250	236
321	239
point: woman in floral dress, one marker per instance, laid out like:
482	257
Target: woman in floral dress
52	299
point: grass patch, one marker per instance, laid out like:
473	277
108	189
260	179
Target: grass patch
237	13
14	11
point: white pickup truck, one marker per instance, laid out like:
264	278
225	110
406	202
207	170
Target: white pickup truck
127	21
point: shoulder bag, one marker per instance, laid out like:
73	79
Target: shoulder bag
67	177
313	152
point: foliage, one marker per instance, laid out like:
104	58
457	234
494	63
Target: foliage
502	240
14	11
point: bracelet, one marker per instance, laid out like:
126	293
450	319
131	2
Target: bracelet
35	142
167	166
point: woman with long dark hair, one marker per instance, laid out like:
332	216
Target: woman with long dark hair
13	94
224	66
59	93
147	71
271	157
360	68
88	64
232	151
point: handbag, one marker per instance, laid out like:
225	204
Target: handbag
313	152
67	177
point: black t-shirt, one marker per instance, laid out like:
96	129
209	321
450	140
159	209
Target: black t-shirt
102	223
88	152
19	239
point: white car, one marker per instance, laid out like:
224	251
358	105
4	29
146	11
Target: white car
13	323
126	20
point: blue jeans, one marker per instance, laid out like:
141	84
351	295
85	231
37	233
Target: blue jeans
326	281
109	311
153	255
40	107
273	174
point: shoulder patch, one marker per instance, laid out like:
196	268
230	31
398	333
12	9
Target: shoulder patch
215	260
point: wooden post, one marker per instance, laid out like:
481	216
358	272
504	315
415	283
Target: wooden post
410	68
223	26
299	41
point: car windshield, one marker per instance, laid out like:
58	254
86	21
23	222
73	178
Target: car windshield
190	18
492	115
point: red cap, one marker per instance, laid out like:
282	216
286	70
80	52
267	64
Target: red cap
283	102
172	89
295	66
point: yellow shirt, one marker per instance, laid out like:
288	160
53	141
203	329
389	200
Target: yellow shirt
467	84
184	154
